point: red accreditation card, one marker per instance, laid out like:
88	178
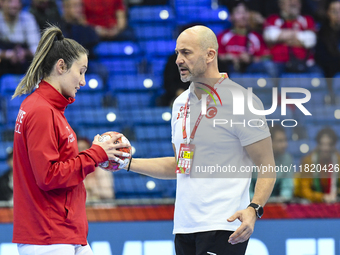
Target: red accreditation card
185	157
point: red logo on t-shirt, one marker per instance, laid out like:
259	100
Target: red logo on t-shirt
211	112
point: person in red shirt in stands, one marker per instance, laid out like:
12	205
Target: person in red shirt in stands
291	37
242	50
108	17
48	170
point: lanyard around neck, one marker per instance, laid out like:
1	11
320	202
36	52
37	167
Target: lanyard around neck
198	121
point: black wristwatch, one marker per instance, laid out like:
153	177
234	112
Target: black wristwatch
258	209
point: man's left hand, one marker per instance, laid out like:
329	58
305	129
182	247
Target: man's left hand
243	233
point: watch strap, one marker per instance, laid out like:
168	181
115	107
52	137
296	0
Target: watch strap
256	207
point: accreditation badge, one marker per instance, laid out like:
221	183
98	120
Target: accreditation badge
185	157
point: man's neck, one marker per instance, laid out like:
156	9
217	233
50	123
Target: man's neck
199	85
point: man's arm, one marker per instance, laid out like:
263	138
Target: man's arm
161	168
262	154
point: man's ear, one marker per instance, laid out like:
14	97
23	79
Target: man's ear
61	66
211	55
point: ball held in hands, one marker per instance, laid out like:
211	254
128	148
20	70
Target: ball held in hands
121	161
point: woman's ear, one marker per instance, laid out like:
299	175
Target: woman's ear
61	66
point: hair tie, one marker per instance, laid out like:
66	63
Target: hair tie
59	37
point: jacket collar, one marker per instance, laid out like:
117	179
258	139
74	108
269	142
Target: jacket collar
53	96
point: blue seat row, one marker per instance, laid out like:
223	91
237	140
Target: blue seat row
9	82
132	185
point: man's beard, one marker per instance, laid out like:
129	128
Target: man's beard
187	78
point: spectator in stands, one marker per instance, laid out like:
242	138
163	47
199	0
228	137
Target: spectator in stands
19	37
327	49
108	17
240	49
291	37
6	180
258	11
74	26
315	8
45	11
262	7
99	184
172	83
256	21
284	186
319	180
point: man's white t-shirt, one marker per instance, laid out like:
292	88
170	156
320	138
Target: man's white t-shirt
204	201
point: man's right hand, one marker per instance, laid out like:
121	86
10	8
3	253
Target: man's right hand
111	148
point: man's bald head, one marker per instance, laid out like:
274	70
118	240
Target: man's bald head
196	50
204	35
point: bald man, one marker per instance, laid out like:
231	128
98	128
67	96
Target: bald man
212	210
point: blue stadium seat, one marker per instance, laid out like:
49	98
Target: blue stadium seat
12	109
8	83
158	48
121	66
148	116
91	132
14	103
317	97
295	147
169	188
94	83
259	81
153	133
151	14
3	167
134	100
158	65
277	113
336	82
117	49
265	96
310	81
2	118
204	15
108	117
317	101
312	130
11	117
200	3
87	100
327	115
5	148
151	149
141	82
154	32
132	186
139	188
